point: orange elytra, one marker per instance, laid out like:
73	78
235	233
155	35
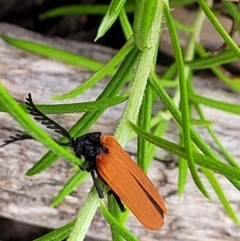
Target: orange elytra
131	184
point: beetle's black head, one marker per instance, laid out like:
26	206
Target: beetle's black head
88	146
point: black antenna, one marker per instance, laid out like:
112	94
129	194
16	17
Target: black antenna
44	120
18	137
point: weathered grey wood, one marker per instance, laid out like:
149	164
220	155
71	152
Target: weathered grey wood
27	199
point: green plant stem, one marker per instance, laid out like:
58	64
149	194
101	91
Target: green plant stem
146	62
85	217
136	93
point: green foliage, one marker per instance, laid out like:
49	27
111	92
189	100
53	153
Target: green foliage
138	58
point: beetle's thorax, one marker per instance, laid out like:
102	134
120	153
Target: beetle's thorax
88	146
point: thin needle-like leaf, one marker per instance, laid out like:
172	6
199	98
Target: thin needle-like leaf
184	102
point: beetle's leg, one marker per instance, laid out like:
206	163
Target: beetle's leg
99	190
118	200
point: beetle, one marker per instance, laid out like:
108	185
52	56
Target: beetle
105	158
